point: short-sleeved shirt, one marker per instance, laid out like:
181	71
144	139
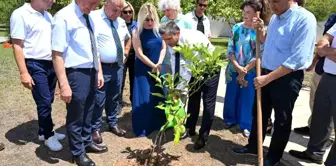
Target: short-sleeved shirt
290	40
329	65
194	21
34	29
70	36
106	43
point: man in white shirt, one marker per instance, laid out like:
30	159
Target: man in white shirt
30	30
114	43
199	21
78	69
324	111
173	36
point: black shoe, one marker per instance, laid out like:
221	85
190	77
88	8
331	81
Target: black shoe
188	133
94	148
268	162
302	130
305	156
245	151
200	143
118	131
329	143
2	146
83	160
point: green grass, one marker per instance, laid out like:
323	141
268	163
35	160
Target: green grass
220	44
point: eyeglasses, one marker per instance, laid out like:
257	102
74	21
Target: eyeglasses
127	11
202	5
149	19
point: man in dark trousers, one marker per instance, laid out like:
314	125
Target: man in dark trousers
288	50
78	69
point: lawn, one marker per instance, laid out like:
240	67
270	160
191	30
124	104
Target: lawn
220	44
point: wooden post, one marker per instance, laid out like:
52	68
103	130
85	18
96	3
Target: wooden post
259	113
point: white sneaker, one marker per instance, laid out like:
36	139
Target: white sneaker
53	144
246	133
59	136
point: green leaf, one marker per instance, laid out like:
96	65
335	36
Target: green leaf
158	95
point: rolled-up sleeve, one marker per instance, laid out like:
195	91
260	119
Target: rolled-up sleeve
303	45
60	36
18	28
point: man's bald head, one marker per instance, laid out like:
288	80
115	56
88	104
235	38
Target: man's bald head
113	8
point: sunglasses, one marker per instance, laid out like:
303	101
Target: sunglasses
149	19
202	5
127	11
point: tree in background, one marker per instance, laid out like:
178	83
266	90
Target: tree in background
224	10
322	9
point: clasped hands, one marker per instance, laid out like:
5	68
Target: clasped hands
157	68
242	71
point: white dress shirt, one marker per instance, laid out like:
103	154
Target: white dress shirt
34	29
191	37
106	45
191	16
329	65
71	36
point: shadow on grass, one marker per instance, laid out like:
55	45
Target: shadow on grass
27	133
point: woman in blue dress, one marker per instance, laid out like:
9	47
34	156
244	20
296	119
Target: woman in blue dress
239	97
150	51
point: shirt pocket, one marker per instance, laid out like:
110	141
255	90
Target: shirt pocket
282	39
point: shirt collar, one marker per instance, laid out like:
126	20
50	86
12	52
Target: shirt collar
195	17
288	12
31	9
78	12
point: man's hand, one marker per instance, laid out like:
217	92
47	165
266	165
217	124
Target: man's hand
261	81
27	81
320	50
258	24
100	80
66	93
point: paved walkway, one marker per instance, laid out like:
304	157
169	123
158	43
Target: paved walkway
300	116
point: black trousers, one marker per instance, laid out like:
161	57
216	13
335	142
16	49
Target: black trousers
79	111
130	66
209	91
279	95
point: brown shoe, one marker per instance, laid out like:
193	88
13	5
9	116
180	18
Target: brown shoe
2	146
96	137
117	131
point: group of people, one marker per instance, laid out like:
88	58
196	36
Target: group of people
89	52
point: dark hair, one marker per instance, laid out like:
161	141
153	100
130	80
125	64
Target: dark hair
300	2
256	5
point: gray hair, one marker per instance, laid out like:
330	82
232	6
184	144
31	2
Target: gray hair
169	28
169	4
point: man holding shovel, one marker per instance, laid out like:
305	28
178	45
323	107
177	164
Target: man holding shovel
288	50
